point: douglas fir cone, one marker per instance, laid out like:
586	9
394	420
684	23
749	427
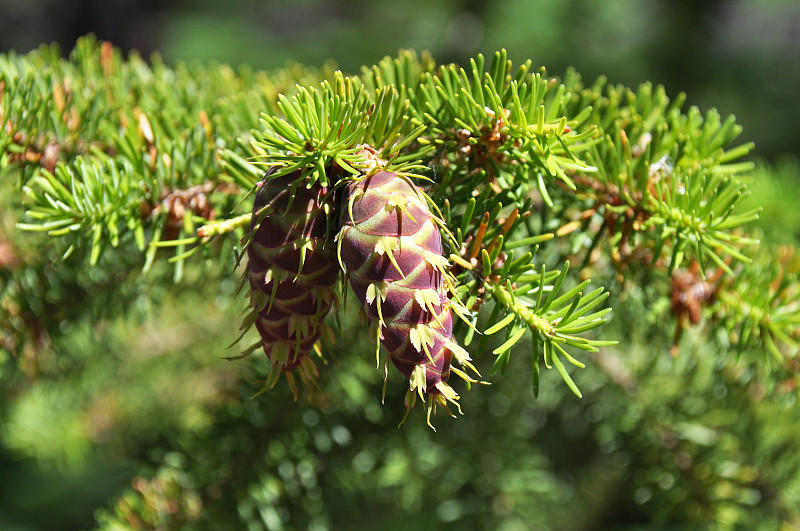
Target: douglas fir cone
391	248
292	271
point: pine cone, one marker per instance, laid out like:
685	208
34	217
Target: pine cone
391	248
291	271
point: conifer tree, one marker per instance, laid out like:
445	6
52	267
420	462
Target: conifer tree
487	221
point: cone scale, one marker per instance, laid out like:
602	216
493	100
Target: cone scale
292	270
391	248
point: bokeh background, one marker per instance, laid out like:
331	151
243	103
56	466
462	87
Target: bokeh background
71	444
741	56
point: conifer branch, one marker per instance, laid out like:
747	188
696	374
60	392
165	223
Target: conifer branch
759	307
667	180
553	320
622	171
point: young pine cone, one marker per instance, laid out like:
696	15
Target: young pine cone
291	271
391	248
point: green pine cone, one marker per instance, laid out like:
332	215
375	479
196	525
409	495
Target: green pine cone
291	271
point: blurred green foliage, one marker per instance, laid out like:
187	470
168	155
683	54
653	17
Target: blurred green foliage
772	188
740	56
118	413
